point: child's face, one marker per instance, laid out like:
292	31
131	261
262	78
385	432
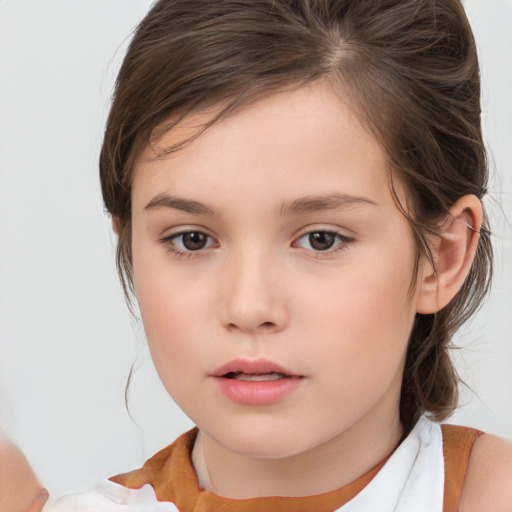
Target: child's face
274	238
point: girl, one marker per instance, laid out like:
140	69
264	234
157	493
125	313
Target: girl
296	187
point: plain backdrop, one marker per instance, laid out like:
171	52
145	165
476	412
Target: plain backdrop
67	341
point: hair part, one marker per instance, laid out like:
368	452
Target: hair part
407	68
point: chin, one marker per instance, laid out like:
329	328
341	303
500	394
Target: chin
276	448
261	442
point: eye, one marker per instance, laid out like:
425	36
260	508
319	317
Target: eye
188	241
322	241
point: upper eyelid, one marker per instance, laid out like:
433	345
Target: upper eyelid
182	233
170	233
298	235
169	238
332	232
323	229
173	247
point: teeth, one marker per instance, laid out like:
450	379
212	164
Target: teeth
255	377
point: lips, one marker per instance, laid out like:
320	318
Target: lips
256	382
252	367
256	377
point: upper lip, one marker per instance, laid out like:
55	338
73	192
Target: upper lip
253	366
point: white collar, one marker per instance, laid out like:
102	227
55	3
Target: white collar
411	480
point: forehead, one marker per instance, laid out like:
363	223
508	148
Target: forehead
292	140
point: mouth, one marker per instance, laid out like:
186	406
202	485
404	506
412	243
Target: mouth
256	382
257	377
254	370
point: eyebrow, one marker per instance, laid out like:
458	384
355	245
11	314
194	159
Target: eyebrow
178	203
328	202
306	204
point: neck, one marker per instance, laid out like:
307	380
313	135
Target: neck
335	463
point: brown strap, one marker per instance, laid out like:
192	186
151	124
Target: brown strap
133	480
457	445
172	476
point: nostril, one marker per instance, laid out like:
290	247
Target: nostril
262	326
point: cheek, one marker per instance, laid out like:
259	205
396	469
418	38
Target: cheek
163	294
173	312
176	335
364	317
171	316
370	295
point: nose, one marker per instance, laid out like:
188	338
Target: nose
253	295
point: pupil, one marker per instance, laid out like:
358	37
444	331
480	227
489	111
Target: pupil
194	240
322	240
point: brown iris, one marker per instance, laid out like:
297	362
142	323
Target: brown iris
194	240
322	240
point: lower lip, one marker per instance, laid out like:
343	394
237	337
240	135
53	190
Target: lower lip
257	392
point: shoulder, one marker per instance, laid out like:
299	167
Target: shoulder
18	484
489	475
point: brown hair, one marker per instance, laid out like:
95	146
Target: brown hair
409	70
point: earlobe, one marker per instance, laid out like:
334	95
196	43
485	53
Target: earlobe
453	253
115	225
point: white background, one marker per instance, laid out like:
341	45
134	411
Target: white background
66	339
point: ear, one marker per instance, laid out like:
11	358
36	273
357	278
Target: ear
115	225
453	253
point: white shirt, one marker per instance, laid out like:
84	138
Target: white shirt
411	480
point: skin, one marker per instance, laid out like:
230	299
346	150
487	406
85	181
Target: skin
487	484
338	317
18	484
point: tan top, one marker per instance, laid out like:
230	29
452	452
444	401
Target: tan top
457	444
171	475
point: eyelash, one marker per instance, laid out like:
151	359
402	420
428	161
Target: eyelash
340	243
169	242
